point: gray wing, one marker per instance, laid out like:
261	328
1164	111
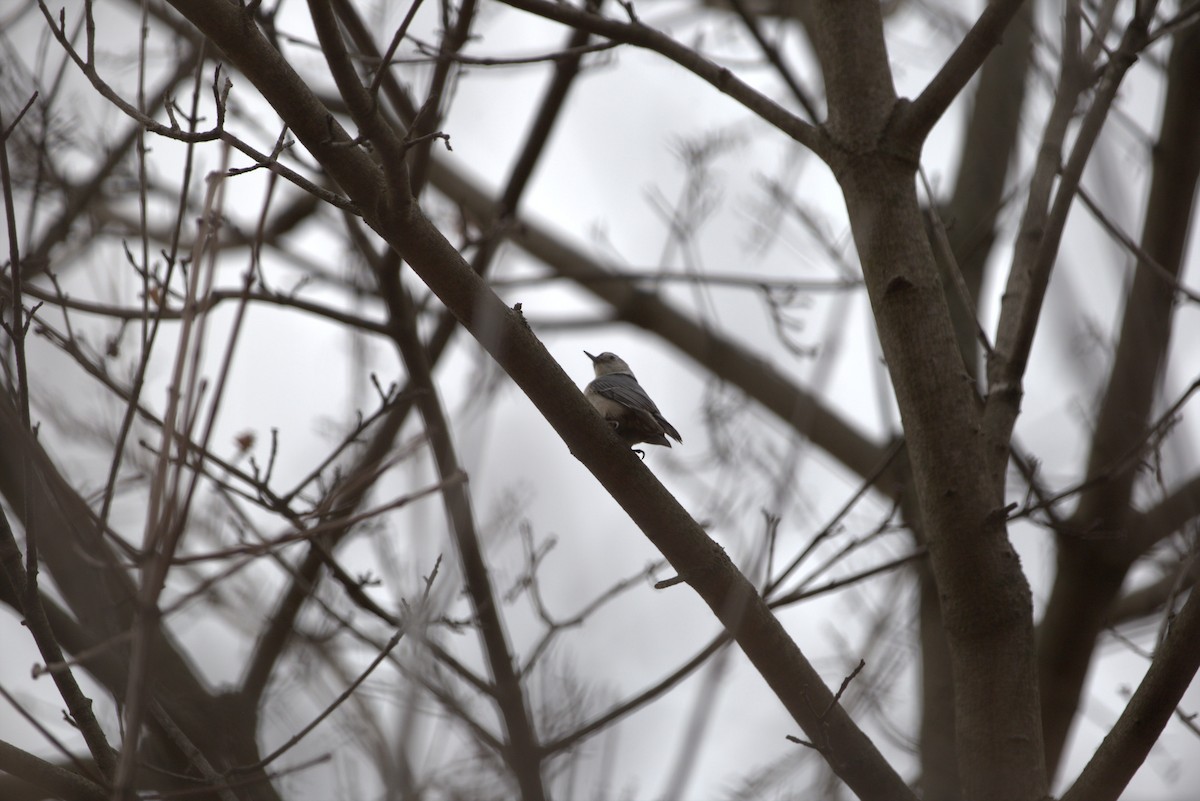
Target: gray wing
625	390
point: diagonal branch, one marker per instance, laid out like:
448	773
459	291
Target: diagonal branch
363	108
750	20
25	592
641	35
1170	514
964	62
1022	303
47	776
1137	730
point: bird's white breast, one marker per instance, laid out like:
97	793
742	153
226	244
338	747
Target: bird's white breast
607	407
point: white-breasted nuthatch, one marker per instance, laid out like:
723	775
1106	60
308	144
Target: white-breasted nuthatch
620	399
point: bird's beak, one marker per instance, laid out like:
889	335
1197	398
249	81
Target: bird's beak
590	356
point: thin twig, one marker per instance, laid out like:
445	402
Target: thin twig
1122	461
638	34
773	55
1143	257
391	50
854	578
300	735
862	663
868	481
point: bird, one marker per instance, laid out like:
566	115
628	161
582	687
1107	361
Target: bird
620	399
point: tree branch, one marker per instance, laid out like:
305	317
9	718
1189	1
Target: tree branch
749	19
1152	705
26	593
640	35
48	777
923	113
362	104
1170	514
1030	276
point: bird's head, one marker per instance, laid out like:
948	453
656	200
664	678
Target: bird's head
608	363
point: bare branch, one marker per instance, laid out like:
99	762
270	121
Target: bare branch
1148	711
1042	229
25	591
924	112
48	776
638	34
328	710
772	53
1143	257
